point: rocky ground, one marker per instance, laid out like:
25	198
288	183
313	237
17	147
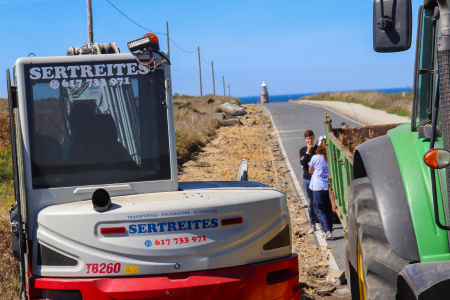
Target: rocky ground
254	139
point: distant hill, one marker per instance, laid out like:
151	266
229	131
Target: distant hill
392	103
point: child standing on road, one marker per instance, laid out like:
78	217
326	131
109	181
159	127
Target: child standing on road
318	167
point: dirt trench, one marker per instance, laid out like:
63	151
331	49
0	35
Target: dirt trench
254	139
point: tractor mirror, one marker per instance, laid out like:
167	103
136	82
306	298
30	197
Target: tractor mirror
392	25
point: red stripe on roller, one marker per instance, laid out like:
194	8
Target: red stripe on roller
231	221
109	230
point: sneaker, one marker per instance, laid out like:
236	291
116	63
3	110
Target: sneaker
327	235
311	230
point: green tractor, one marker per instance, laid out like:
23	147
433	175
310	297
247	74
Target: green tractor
392	194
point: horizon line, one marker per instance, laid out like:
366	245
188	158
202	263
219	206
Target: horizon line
315	93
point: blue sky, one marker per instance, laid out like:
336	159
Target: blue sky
295	46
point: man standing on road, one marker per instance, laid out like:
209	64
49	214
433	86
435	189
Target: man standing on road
306	153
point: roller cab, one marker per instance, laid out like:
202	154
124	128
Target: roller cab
99	212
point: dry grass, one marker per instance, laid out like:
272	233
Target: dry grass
194	122
9	274
391	103
9	270
3	108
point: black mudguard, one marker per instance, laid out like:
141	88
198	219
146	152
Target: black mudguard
18	239
424	281
376	159
15	235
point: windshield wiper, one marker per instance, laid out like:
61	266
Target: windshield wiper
163	102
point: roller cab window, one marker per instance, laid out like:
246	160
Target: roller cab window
96	123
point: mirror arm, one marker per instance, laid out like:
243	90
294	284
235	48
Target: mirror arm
383	23
382	9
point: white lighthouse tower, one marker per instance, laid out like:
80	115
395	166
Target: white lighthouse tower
264	93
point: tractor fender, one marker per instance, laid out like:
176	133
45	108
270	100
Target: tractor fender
424	281
377	160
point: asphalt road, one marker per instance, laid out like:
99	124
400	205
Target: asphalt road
292	120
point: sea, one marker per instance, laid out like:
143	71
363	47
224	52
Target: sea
287	97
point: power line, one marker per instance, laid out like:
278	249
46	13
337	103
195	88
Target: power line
179	46
167	34
134	21
204	60
149	29
218	78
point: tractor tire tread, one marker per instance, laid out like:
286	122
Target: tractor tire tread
382	270
380	264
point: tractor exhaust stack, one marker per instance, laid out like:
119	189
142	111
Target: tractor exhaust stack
443	55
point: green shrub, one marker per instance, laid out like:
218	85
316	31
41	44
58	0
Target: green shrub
181	104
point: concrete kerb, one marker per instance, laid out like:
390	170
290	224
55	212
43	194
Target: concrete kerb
333	267
300	193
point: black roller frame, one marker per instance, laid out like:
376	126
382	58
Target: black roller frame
12	101
376	159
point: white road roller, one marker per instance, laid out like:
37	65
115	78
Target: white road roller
99	212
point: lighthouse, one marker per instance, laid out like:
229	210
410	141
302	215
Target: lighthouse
264	93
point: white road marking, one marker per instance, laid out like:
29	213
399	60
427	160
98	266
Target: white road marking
333	267
294	138
288	164
289	131
324	247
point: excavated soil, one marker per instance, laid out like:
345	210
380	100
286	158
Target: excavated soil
254	139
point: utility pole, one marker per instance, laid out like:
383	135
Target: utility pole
199	70
90	30
214	85
228	90
223	79
167	31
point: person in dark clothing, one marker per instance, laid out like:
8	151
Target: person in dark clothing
306	153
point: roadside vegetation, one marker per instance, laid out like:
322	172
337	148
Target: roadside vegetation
9	274
194	122
398	103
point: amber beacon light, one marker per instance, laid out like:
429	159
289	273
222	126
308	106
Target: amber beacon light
437	158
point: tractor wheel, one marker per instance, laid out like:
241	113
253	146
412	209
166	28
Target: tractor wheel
378	265
351	274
